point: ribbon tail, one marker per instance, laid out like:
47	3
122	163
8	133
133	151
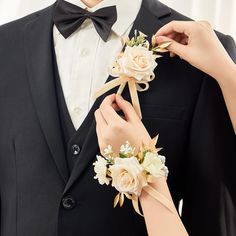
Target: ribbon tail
160	197
108	86
121	88
134	97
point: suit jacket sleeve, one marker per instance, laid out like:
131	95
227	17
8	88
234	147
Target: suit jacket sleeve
209	206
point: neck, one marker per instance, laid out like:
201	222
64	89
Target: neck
91	3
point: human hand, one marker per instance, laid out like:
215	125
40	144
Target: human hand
197	43
115	130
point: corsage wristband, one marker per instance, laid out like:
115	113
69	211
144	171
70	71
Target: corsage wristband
131	174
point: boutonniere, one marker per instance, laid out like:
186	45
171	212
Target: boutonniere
135	66
131	173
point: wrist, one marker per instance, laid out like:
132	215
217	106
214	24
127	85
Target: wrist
161	186
226	73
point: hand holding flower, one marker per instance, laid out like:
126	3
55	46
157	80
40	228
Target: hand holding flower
114	130
197	43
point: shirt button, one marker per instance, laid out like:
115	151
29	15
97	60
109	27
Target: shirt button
68	203
75	149
77	110
84	52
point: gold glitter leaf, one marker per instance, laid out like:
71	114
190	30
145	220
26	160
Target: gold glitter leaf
116	200
154	41
122	198
164	45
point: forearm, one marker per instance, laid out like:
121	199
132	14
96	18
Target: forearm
159	220
227	82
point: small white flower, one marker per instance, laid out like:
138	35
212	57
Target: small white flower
126	149
153	164
163	159
108	151
128	176
100	168
165	171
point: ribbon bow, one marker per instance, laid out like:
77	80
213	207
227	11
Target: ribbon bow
134	86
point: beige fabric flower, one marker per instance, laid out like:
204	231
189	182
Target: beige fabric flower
127	176
137	62
100	168
152	163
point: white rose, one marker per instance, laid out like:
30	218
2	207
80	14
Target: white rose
153	164
137	62
128	176
100	168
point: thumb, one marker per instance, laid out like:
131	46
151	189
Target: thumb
127	108
175	47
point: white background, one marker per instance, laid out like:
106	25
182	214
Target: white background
220	13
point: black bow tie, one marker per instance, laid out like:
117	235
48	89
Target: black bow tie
68	18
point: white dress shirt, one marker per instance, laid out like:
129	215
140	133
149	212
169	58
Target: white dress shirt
83	58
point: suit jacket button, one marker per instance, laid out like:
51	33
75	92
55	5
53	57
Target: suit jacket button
75	149
68	202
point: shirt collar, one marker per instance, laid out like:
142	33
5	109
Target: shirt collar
127	11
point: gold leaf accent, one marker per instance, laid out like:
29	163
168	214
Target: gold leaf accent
155	139
147	45
158	56
123	41
108	173
154	41
116	200
142	34
164	44
122	199
161	50
128	196
135	204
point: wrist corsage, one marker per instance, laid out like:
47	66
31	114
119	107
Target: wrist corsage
131	173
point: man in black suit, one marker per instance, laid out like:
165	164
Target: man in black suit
46	173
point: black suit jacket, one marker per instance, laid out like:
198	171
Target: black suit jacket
183	105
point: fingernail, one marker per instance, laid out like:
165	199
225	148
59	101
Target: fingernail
120	97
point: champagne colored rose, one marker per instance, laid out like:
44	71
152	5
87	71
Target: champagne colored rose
137	62
127	175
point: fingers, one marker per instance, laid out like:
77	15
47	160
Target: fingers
205	24
108	112
175	47
182	27
101	142
106	115
115	107
101	125
178	33
101	122
127	108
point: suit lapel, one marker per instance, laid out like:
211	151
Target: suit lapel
39	58
148	23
